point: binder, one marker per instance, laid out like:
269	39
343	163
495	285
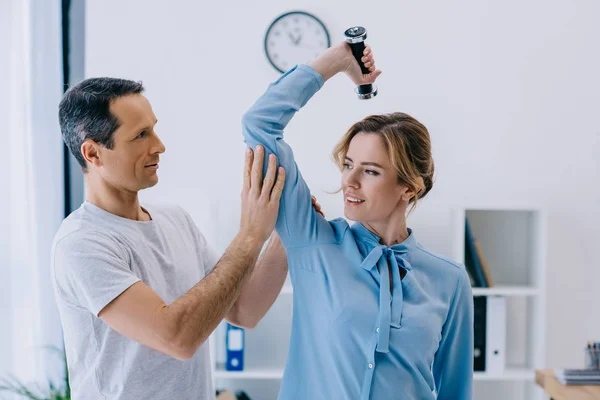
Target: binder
489	352
220	346
495	356
479	320
235	348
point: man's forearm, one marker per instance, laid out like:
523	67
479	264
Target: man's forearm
263	287
195	315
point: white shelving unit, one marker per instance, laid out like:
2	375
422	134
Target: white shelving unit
250	374
511	374
513	241
508	291
263	369
287	289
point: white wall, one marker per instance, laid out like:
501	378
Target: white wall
509	91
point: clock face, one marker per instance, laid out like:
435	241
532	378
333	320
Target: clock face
295	38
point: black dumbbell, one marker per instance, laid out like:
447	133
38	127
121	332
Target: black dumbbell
356	37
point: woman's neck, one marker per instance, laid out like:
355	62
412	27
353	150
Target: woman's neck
392	231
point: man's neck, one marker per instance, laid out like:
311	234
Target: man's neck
121	202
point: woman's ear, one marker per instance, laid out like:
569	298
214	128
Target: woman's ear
410	194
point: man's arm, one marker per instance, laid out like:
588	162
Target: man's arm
263	287
179	328
261	291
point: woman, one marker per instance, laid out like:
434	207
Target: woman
376	316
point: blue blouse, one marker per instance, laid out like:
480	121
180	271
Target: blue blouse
353	338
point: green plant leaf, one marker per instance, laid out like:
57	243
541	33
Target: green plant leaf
53	392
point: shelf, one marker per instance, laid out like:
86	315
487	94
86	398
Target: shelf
274	373
516	291
287	289
509	291
510	374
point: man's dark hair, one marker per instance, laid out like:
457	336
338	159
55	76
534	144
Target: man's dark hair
84	112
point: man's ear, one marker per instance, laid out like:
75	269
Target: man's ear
91	152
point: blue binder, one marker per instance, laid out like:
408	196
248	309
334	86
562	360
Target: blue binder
234	343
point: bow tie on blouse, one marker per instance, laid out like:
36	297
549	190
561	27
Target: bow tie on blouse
390	304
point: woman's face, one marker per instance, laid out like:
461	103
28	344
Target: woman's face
370	183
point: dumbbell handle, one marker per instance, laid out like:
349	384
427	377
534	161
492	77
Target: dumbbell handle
358	51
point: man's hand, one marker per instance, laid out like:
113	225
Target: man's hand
316	205
260	198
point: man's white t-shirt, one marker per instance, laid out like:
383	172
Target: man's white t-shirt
96	256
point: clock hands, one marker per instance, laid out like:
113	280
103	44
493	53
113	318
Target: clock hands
292	37
295	40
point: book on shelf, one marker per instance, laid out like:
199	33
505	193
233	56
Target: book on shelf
578	376
484	265
475	261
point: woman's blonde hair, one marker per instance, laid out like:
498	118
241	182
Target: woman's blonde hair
409	148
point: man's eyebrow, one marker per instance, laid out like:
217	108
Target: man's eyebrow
146	127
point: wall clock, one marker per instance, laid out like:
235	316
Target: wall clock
295	38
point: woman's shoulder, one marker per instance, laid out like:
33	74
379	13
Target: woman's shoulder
450	277
437	261
328	232
339	229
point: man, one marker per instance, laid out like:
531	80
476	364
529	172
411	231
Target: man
138	288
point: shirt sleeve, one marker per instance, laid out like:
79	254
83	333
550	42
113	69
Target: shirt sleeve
91	270
208	256
264	123
211	258
453	364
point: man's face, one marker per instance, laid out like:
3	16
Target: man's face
132	163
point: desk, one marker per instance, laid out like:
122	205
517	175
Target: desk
557	391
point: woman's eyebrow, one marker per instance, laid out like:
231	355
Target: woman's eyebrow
373	164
